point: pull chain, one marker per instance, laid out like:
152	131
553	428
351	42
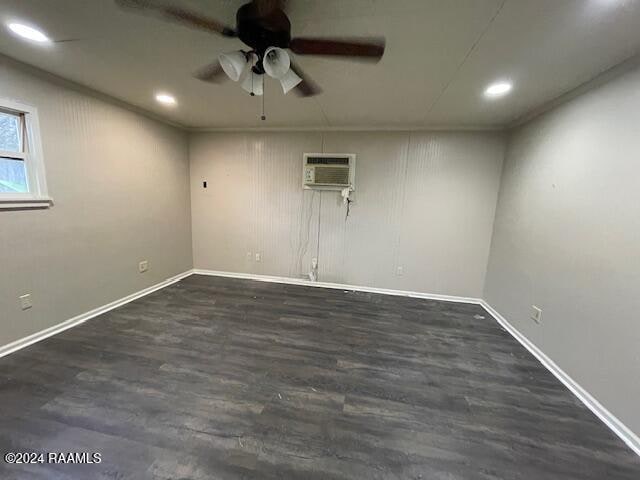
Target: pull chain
264	92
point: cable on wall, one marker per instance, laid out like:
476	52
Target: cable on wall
319	211
349	202
319	218
402	199
305	226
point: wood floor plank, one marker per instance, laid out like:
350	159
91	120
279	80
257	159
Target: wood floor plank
215	378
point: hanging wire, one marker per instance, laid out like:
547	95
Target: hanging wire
349	202
319	223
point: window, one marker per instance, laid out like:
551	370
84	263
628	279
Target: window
22	181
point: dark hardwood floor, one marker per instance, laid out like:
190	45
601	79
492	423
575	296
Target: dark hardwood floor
215	378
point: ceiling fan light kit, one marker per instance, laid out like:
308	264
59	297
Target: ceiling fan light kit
253	84
264	27
276	62
234	64
289	81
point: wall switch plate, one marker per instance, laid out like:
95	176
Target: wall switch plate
25	301
258	257
143	266
536	314
400	271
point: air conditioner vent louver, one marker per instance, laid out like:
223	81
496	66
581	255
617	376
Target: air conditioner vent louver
332	176
328	171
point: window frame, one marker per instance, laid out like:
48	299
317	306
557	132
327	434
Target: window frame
32	156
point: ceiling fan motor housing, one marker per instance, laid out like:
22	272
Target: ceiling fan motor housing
263	31
262	24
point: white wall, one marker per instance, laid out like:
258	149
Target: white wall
121	190
567	239
423	201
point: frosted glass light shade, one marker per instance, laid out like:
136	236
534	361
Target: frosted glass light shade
276	62
233	64
289	81
253	83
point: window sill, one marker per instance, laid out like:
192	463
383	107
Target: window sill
25	203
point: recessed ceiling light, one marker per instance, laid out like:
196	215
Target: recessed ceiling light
29	33
166	99
498	89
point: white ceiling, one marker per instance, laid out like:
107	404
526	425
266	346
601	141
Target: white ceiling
440	56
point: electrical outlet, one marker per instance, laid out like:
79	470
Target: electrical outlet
258	257
536	314
25	301
400	271
143	266
249	256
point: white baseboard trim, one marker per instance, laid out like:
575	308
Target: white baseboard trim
609	419
72	322
337	286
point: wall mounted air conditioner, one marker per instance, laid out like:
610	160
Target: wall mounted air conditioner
329	171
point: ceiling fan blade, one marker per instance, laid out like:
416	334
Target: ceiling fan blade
364	48
179	14
306	88
212	73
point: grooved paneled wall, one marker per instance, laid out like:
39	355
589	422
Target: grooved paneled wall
120	185
567	239
424	202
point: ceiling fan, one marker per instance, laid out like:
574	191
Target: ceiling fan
264	27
